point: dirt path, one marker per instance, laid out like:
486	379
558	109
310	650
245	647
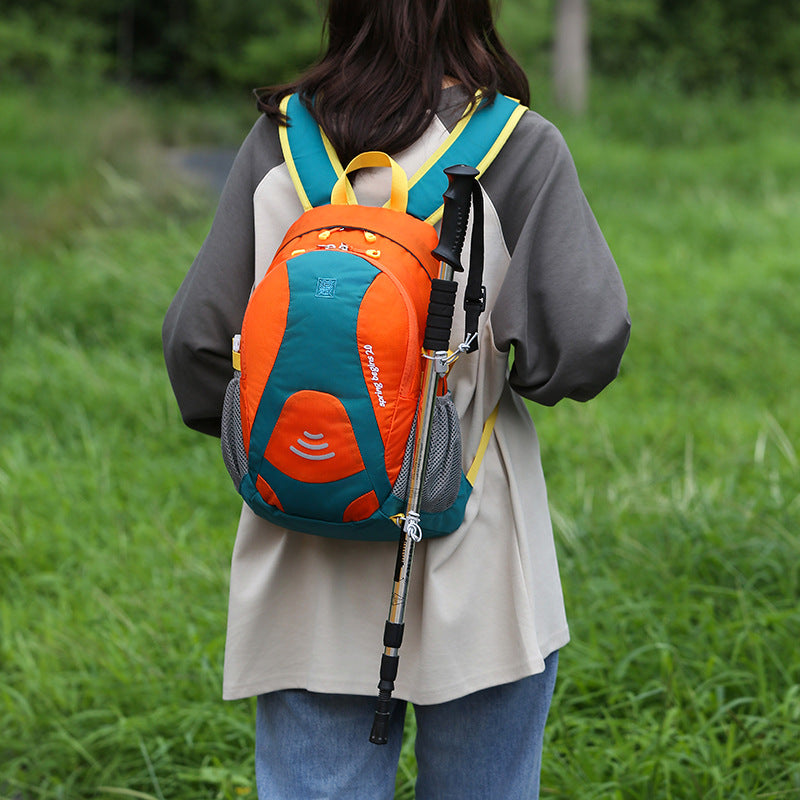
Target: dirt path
207	165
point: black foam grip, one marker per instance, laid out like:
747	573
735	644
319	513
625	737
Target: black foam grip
440	315
389	666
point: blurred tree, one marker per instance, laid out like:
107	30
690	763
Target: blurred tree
748	46
571	55
182	42
256	42
527	30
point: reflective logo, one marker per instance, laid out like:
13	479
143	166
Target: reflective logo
312	450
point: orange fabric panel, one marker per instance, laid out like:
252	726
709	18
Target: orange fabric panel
265	490
416	235
262	333
379	345
313	440
401	429
393	383
361	508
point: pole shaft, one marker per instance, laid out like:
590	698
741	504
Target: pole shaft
437	335
425	411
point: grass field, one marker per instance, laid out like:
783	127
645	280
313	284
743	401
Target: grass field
675	494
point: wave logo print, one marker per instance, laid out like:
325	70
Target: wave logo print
312	450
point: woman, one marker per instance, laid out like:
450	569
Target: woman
485	616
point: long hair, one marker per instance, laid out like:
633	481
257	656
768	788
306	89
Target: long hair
380	78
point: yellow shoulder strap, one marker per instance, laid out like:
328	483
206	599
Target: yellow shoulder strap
488	428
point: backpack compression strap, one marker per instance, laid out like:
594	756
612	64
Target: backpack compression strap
475	141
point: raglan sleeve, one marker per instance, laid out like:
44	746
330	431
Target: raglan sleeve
562	304
208	308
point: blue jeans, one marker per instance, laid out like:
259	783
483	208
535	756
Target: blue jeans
485	746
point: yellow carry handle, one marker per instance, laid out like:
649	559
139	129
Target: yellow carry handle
343	193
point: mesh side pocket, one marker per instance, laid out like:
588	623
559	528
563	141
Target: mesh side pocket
233	451
443	470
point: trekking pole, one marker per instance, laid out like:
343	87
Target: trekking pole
435	353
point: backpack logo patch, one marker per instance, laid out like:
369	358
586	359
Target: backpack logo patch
326	287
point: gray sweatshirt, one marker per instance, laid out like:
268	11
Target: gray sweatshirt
485	605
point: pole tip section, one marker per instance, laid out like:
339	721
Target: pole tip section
380	728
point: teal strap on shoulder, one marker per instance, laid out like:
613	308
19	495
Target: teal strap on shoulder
311	160
475	141
475	144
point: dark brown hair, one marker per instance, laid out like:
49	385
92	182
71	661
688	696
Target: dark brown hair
380	78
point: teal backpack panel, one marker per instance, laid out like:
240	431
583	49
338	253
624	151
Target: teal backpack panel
320	331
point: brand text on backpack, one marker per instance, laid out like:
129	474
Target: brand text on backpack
373	368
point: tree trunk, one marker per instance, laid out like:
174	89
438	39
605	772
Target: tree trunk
571	57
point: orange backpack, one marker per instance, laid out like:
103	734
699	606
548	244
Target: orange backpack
319	417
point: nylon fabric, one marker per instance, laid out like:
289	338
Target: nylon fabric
346	468
264	340
310	313
475	143
343	194
485	127
361	276
302	143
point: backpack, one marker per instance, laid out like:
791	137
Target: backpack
318	420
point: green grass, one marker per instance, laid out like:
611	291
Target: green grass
675	494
